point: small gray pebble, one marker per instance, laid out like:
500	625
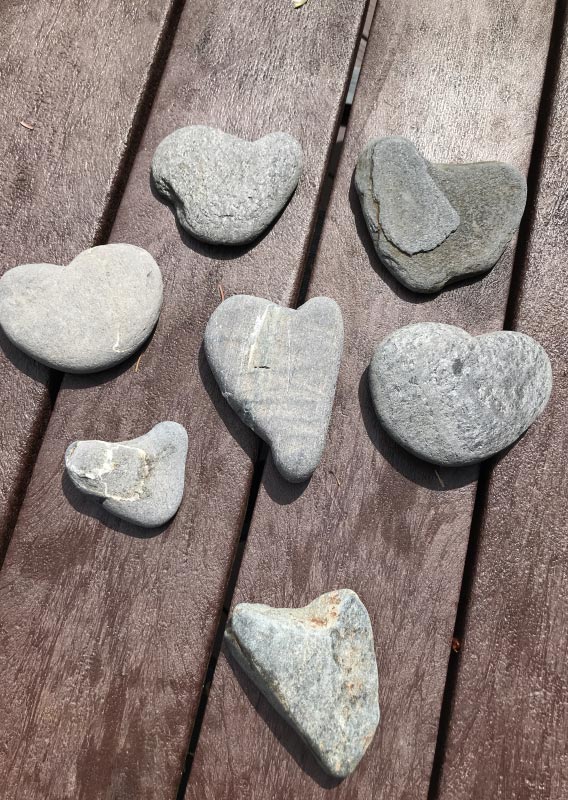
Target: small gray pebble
317	667
454	399
415	215
87	316
226	190
488	197
140	480
277	368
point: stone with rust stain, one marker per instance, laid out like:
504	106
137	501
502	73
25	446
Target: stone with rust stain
87	316
140	480
432	224
316	665
226	190
277	368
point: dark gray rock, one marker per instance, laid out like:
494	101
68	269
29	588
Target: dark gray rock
455	399
87	316
316	665
140	480
277	368
489	199
226	190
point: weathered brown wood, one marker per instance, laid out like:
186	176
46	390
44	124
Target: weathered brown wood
463	81
72	77
508	732
105	634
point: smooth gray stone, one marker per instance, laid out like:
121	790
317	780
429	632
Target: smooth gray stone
226	190
455	399
87	316
415	214
277	368
317	667
489	198
140	480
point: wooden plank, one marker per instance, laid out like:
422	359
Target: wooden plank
373	518
508	732
106	634
72	78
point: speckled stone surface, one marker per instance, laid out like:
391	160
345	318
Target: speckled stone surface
140	480
87	316
226	190
455	399
488	197
317	667
277	368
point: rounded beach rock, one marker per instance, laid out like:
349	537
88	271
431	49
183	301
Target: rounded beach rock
87	316
454	399
140	480
226	190
277	368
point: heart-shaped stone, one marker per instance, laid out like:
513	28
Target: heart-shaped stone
432	224
226	190
87	316
140	480
316	665
277	368
455	399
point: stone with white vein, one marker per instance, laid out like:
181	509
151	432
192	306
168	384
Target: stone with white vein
87	316
316	665
140	480
277	368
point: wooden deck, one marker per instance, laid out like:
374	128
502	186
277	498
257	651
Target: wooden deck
112	681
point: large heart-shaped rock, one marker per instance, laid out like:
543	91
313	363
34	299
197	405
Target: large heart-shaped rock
432	224
455	399
140	480
277	368
316	665
226	190
87	316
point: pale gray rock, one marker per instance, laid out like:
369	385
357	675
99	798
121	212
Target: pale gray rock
316	665
277	368
226	190
415	215
455	399
140	480
87	316
489	198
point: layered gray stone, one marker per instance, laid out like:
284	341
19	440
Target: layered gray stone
316	665
489	199
87	316
455	399
226	190
415	215
140	480
277	368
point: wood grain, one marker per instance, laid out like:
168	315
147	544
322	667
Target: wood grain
508	733
72	77
463	81
106	633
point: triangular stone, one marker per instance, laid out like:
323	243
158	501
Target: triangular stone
316	665
140	480
277	368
